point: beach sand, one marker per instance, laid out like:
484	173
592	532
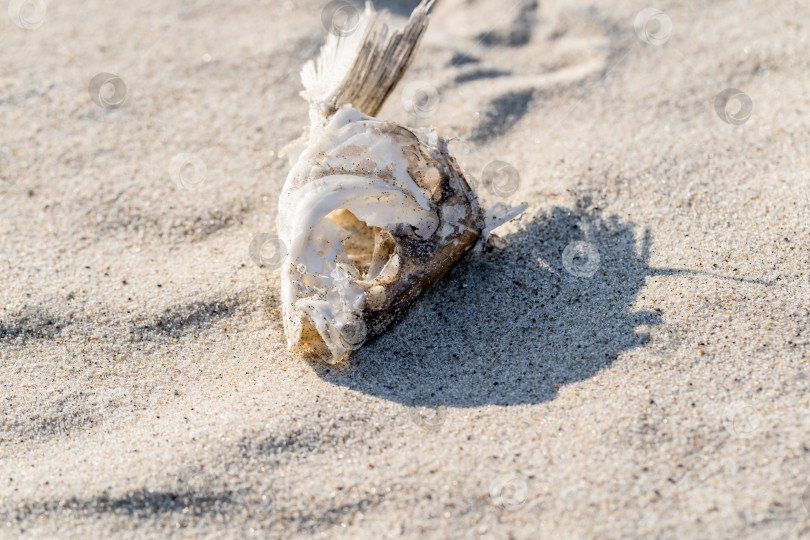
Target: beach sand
633	362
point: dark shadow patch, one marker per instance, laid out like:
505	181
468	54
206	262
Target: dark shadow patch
212	221
25	421
186	320
178	508
541	327
518	33
141	504
333	516
503	113
306	441
117	219
481	74
41	416
462	58
30	324
339	432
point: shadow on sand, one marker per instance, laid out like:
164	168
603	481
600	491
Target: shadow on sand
510	327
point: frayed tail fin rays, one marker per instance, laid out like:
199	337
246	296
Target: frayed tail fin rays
362	67
499	214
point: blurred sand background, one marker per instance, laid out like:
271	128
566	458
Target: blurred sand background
664	392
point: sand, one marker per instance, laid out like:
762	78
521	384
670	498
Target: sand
632	360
